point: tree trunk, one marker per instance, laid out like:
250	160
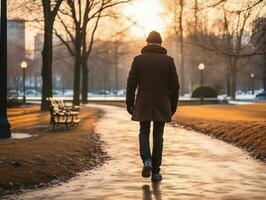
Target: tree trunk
264	76
47	52
76	99
191	85
78	62
5	131
181	40
47	59
116	57
85	73
233	78
228	81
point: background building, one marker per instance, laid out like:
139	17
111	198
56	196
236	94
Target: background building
16	51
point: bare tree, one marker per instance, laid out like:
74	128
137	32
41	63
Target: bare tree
82	34
259	40
181	41
228	38
50	9
177	8
118	42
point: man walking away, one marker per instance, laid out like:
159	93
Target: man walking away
153	74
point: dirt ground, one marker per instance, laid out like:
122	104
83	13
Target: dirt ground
52	155
241	125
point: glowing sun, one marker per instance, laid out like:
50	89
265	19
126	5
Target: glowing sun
148	16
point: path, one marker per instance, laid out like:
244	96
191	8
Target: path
195	166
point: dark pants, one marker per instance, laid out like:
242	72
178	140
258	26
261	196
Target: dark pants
144	142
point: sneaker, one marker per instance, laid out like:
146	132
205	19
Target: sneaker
156	177
147	167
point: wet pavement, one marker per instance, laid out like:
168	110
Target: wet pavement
195	166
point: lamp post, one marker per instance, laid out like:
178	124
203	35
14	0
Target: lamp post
253	85
24	65
5	131
201	68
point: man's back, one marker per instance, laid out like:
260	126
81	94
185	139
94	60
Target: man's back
154	74
153	68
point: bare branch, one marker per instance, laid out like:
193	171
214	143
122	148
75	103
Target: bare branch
65	43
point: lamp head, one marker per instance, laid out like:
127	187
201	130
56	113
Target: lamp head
201	66
23	64
252	75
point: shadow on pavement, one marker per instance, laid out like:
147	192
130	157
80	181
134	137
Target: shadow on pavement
147	193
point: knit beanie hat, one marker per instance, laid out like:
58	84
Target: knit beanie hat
154	37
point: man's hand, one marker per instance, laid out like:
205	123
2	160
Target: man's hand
130	109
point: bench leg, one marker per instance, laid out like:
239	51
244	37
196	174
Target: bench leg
67	126
66	121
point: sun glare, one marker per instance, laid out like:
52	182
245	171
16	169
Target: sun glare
148	15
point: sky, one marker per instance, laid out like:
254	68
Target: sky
149	15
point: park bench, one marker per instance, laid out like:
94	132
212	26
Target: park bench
61	114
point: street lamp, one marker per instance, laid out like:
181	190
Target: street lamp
24	65
201	68
252	79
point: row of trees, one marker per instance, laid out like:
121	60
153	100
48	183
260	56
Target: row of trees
221	27
221	39
75	23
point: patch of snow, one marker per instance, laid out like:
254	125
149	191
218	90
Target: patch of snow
240	102
20	135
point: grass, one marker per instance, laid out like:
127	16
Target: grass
241	125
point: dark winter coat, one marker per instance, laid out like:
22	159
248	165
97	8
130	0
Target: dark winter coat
153	74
